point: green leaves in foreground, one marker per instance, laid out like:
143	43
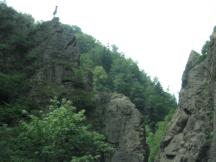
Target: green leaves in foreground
61	135
154	138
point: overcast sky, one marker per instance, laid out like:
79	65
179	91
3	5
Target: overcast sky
158	34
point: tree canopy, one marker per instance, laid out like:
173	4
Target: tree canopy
31	132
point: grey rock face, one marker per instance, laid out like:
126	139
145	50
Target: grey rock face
123	126
58	51
117	118
212	73
190	132
57	61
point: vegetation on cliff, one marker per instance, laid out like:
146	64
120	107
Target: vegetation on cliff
62	134
29	130
112	71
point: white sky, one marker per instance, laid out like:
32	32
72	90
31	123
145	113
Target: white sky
158	34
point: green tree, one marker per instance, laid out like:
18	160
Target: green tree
154	138
99	78
62	135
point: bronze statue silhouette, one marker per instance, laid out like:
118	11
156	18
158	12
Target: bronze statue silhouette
55	11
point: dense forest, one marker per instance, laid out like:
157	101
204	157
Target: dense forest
42	124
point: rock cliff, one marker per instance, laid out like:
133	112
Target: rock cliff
118	119
57	61
58	52
123	126
190	136
39	61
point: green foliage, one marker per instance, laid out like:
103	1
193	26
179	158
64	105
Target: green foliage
84	100
123	75
7	139
160	103
64	130
15	26
11	86
99	78
205	48
85	41
3	47
11	114
154	139
14	43
60	135
124	72
204	51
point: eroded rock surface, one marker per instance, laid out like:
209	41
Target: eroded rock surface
190	132
123	126
56	62
58	52
116	116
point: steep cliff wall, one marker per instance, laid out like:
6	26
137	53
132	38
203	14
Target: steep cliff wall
190	136
118	119
57	60
58	52
212	73
117	116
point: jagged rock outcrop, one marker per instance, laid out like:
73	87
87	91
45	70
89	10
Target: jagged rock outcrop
212	73
123	126
57	61
58	52
190	135
118	119
46	57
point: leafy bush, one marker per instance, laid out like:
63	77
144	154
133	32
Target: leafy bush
100	78
112	71
11	114
7	138
154	139
61	135
11	86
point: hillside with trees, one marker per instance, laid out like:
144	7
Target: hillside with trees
38	118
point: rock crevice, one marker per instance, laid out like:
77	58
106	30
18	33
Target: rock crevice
190	135
123	126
